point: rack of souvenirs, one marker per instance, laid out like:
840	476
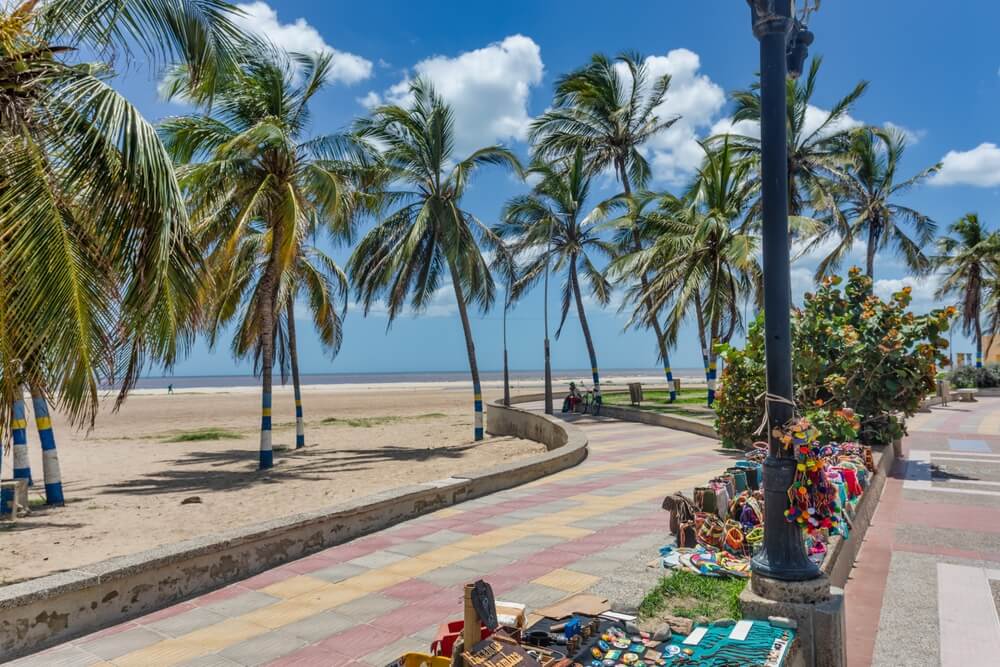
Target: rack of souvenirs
718	529
581	631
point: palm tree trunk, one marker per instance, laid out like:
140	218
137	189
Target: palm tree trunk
19	432
293	353
700	315
50	457
713	368
979	342
268	288
584	325
873	234
470	347
644	282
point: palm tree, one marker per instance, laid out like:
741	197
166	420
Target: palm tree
405	256
816	155
704	258
967	257
97	271
551	227
257	188
641	217
867	206
607	109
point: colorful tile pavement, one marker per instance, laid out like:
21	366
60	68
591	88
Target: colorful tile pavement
371	600
926	587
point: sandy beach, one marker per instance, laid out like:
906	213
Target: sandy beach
125	479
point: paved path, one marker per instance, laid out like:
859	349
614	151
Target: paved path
366	602
926	588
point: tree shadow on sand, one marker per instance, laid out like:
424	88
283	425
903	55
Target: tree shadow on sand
310	464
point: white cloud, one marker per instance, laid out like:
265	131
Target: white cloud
298	36
441	304
371	100
979	167
913	137
488	90
923	291
675	153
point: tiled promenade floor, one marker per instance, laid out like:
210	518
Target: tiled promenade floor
369	601
926	588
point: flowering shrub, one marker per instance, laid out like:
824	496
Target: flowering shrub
851	349
970	377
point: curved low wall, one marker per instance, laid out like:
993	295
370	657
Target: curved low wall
45	611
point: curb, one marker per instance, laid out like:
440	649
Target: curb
42	612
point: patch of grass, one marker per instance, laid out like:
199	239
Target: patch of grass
661	397
370	422
693	596
204	434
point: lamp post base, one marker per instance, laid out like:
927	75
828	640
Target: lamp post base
783	556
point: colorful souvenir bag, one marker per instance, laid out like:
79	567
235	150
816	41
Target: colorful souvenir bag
705	499
739	477
682	512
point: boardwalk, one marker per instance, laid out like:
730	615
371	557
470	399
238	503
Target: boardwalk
926	589
368	601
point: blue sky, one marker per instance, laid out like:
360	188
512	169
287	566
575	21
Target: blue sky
934	72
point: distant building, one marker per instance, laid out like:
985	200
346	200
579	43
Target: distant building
993	354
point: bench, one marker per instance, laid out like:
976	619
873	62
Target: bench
13	499
966	395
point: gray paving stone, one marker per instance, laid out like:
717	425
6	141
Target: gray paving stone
428	634
485	563
597	566
413	548
243	603
393	651
63	656
450	575
338	572
516	551
320	626
119	644
263	649
535	595
211	661
502	520
370	606
377	559
443	537
540	541
185	622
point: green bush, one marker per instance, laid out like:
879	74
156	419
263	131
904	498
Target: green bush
970	377
851	350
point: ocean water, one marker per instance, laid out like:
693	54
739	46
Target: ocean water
560	375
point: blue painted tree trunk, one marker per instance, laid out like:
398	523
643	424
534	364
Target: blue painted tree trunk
19	431
50	457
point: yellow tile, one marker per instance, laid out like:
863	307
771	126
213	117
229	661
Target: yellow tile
228	632
163	654
447	555
446	513
295	586
565	532
493	538
567	580
282	613
409	568
376	580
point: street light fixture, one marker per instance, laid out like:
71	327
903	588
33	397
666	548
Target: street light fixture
783	46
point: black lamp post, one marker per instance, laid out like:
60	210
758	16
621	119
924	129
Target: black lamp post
506	367
783	44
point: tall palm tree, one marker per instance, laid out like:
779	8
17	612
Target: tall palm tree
608	109
641	218
257	187
405	256
867	204
551	226
705	256
97	272
967	256
816	155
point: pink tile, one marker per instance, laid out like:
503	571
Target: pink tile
113	630
226	593
554	559
358	641
411	618
311	564
413	589
312	656
474	528
267	578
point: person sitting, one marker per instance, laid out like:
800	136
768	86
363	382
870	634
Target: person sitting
573	399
